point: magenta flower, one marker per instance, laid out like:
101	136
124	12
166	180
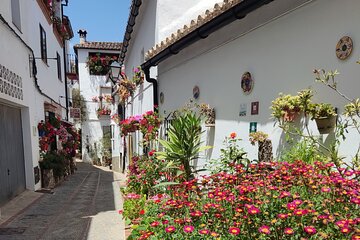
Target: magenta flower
188	229
264	229
310	230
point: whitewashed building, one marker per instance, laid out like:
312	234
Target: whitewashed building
279	42
33	84
96	89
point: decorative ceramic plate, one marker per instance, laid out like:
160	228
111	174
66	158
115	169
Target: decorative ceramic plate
344	48
247	83
196	92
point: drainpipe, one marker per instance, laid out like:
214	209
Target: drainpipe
155	87
65	66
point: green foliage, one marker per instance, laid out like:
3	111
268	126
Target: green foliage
231	155
106	145
78	101
183	144
321	110
144	173
134	206
288	104
305	150
55	161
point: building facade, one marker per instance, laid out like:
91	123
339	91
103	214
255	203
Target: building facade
278	42
33	84
98	129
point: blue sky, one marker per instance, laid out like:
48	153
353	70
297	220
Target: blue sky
104	20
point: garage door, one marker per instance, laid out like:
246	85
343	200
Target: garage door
12	166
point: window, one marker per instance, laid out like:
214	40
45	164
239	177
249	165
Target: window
15	12
58	61
43	44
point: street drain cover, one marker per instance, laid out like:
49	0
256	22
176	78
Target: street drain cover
12	231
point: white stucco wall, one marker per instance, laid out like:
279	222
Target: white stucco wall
173	15
280	56
15	57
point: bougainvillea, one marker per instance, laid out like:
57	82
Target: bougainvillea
149	126
130	125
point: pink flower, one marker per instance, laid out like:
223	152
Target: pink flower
288	231
310	230
170	229
188	228
204	231
154	224
264	229
253	210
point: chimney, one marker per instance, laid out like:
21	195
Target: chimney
82	33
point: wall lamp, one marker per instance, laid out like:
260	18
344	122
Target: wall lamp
115	72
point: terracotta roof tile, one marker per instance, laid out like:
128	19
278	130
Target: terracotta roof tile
207	16
100	45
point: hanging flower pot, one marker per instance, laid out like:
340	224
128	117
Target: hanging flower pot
290	116
326	124
209	114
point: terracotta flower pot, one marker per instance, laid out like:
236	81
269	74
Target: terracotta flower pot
290	116
326	125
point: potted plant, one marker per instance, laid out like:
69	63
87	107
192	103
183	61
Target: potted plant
127	89
138	77
324	115
287	107
208	113
264	145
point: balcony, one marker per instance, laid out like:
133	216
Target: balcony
46	8
71	69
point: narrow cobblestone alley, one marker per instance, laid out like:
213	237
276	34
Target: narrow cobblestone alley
83	207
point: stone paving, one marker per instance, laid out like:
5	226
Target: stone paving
83	207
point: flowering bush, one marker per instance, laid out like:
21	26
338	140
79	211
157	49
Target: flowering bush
126	89
134	207
100	64
103	111
115	118
107	97
130	125
47	134
138	76
231	156
60	160
276	200
149	126
257	137
144	173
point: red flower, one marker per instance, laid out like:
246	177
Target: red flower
121	211
151	153
232	135
142	212
234	230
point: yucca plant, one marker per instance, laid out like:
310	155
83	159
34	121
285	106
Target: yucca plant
183	144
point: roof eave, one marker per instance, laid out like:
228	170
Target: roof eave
237	12
134	11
